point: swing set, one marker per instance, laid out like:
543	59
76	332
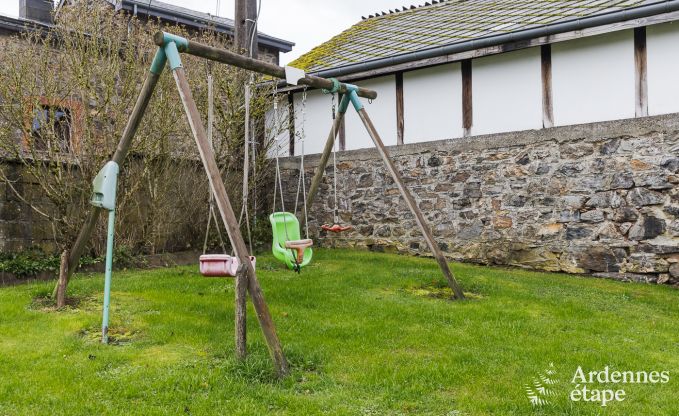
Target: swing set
169	48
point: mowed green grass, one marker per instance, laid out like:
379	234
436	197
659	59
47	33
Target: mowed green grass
360	330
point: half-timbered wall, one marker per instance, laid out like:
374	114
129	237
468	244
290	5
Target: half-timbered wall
507	93
382	112
433	94
593	79
619	75
663	68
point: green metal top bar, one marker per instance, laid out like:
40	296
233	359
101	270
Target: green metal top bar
162	39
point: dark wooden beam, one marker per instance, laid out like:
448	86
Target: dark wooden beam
400	124
342	132
547	103
640	72
291	123
467	105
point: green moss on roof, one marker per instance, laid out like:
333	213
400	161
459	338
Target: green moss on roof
445	23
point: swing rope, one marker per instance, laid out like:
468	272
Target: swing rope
336	227
210	122
301	183
334	162
246	169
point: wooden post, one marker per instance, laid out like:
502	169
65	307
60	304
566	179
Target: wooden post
223	203
412	205
119	156
640	72
246	14
246	44
63	280
400	124
320	169
240	314
547	103
467	107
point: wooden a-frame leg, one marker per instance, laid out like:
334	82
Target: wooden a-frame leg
121	153
320	169
412	205
230	220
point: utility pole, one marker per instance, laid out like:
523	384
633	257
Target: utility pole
245	38
246	15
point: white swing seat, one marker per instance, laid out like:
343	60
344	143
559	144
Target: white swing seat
221	265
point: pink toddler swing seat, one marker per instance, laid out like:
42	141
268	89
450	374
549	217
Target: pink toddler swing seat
221	265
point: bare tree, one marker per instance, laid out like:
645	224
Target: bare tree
66	94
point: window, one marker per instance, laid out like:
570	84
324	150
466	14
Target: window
51	125
51	129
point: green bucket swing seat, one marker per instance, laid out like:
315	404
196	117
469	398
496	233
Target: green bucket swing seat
286	239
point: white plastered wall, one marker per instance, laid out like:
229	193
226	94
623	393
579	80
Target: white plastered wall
662	43
277	129
315	124
382	112
507	92
432	103
593	79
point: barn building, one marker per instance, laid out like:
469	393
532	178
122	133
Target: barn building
479	67
536	134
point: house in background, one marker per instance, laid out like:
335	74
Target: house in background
19	228
452	68
270	47
40	14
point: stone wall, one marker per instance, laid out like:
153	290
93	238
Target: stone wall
20	226
600	198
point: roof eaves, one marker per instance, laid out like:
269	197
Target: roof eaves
188	17
554	27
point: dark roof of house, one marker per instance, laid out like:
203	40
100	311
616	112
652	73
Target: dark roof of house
447	22
17	25
191	18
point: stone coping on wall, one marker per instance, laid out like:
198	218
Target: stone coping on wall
561	134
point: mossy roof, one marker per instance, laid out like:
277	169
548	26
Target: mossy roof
446	22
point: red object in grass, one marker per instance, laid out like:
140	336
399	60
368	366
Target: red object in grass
336	228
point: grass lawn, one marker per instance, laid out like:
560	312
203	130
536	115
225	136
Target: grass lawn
365	334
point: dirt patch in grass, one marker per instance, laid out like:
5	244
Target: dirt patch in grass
116	336
46	303
437	290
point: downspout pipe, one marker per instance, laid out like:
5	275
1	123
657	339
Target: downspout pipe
641	12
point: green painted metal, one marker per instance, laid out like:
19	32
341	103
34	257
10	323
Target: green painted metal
107	274
353	96
159	61
181	42
336	85
285	227
173	55
358	105
104	187
104	196
344	104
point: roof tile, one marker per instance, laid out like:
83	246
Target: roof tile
444	23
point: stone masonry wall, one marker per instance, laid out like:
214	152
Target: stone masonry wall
600	198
